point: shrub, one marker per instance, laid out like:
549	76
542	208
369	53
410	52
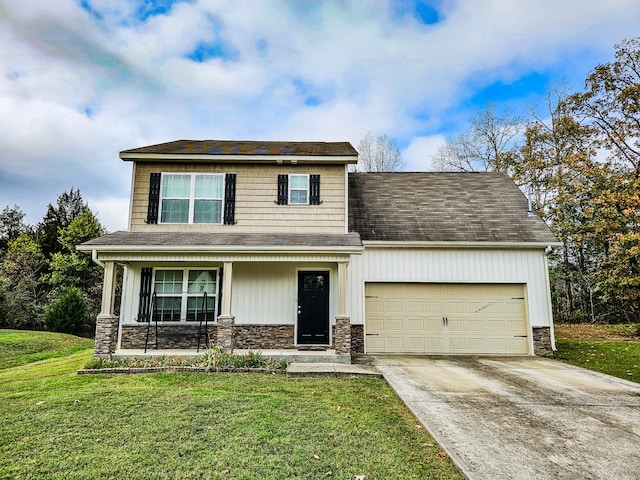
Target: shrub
68	313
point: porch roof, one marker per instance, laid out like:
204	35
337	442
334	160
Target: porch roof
124	241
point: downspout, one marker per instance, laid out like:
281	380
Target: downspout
94	258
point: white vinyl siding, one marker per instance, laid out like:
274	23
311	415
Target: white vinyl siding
191	198
526	267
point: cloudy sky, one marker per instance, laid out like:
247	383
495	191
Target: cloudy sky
81	80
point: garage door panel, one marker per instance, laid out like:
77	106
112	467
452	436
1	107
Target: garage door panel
479	318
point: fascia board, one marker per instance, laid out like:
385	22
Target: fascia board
160	157
219	249
495	245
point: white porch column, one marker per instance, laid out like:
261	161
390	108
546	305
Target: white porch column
226	320
226	289
342	289
108	289
342	337
107	322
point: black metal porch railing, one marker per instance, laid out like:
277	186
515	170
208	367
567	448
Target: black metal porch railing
202	317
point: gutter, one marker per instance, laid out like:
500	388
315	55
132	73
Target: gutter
460	244
238	249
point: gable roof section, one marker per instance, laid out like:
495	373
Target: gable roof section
323	152
442	207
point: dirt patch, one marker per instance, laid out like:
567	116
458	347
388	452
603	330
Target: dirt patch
594	332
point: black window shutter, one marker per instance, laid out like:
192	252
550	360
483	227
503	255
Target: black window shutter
229	198
283	189
154	198
144	308
314	189
220	280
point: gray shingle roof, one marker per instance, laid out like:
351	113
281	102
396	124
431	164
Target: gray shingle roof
441	207
233	147
201	239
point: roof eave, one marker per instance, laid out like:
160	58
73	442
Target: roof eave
459	244
205	157
258	250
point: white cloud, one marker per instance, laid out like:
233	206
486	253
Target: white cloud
420	151
75	89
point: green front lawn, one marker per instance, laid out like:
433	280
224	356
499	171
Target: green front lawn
19	347
60	425
610	349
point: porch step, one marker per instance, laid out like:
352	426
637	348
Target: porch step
308	369
302	356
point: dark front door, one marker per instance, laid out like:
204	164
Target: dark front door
313	308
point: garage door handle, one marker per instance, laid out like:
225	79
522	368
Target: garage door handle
372	334
445	321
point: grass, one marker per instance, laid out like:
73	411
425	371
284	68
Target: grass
60	425
610	349
18	347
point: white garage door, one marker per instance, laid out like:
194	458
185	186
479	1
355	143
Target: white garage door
445	318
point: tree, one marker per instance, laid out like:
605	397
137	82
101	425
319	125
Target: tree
379	154
487	146
70	268
11	226
24	293
68	313
611	103
68	206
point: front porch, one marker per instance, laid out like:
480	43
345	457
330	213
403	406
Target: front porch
286	301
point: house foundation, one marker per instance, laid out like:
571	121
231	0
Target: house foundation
542	341
106	335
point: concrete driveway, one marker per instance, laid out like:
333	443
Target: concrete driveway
522	417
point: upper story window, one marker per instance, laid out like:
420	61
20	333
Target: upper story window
299	189
191	198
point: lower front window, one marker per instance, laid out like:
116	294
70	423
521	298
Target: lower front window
185	295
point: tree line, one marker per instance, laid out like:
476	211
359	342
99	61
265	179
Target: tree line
44	281
579	161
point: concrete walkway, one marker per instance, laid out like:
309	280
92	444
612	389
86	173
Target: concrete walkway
522	417
329	370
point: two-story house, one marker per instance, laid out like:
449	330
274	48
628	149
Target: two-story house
276	246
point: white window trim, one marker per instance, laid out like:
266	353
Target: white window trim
184	294
192	197
307	189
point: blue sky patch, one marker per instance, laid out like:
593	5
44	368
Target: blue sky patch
262	47
207	50
311	94
528	86
424	11
86	5
143	10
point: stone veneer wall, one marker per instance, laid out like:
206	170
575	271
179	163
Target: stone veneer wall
272	337
106	335
542	341
252	337
133	336
357	339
